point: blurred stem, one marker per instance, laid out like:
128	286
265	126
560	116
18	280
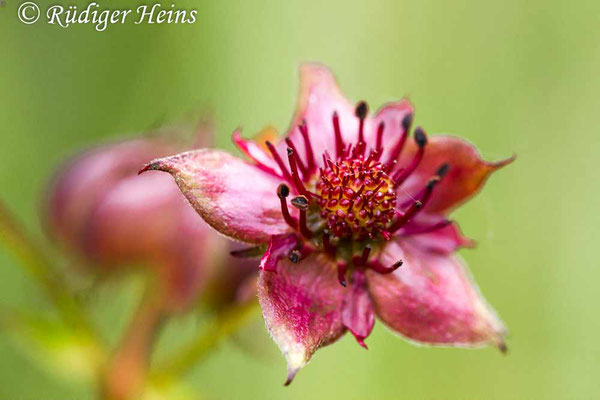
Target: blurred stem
126	372
15	241
222	325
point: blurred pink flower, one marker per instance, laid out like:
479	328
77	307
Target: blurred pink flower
365	200
101	209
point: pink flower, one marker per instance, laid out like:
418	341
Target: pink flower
353	214
100	209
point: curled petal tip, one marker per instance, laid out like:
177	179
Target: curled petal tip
361	342
502	163
148	167
290	376
502	347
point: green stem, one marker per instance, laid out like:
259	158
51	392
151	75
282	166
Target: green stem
16	242
223	325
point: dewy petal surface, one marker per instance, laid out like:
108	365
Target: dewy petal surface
432	299
466	176
234	197
301	307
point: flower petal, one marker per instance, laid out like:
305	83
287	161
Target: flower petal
432	299
435	233
357	311
236	198
301	305
391	115
319	97
279	247
467	173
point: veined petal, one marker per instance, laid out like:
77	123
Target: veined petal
236	198
467	173
432	299
319	97
357	311
301	305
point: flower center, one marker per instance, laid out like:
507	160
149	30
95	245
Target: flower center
356	197
349	204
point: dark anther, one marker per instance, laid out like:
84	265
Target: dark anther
443	170
295	256
290	151
362	108
420	137
283	191
406	121
300	202
432	182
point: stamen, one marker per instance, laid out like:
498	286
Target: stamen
403	218
380	268
310	156
283	191
327	246
339	142
363	258
361	112
378	147
342	268
418	205
279	161
421	140
295	177
301	203
405	125
298	159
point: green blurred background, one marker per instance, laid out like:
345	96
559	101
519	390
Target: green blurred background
511	76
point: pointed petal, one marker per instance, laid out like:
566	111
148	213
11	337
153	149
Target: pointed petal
467	173
357	311
301	305
432	299
278	248
319	97
234	197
